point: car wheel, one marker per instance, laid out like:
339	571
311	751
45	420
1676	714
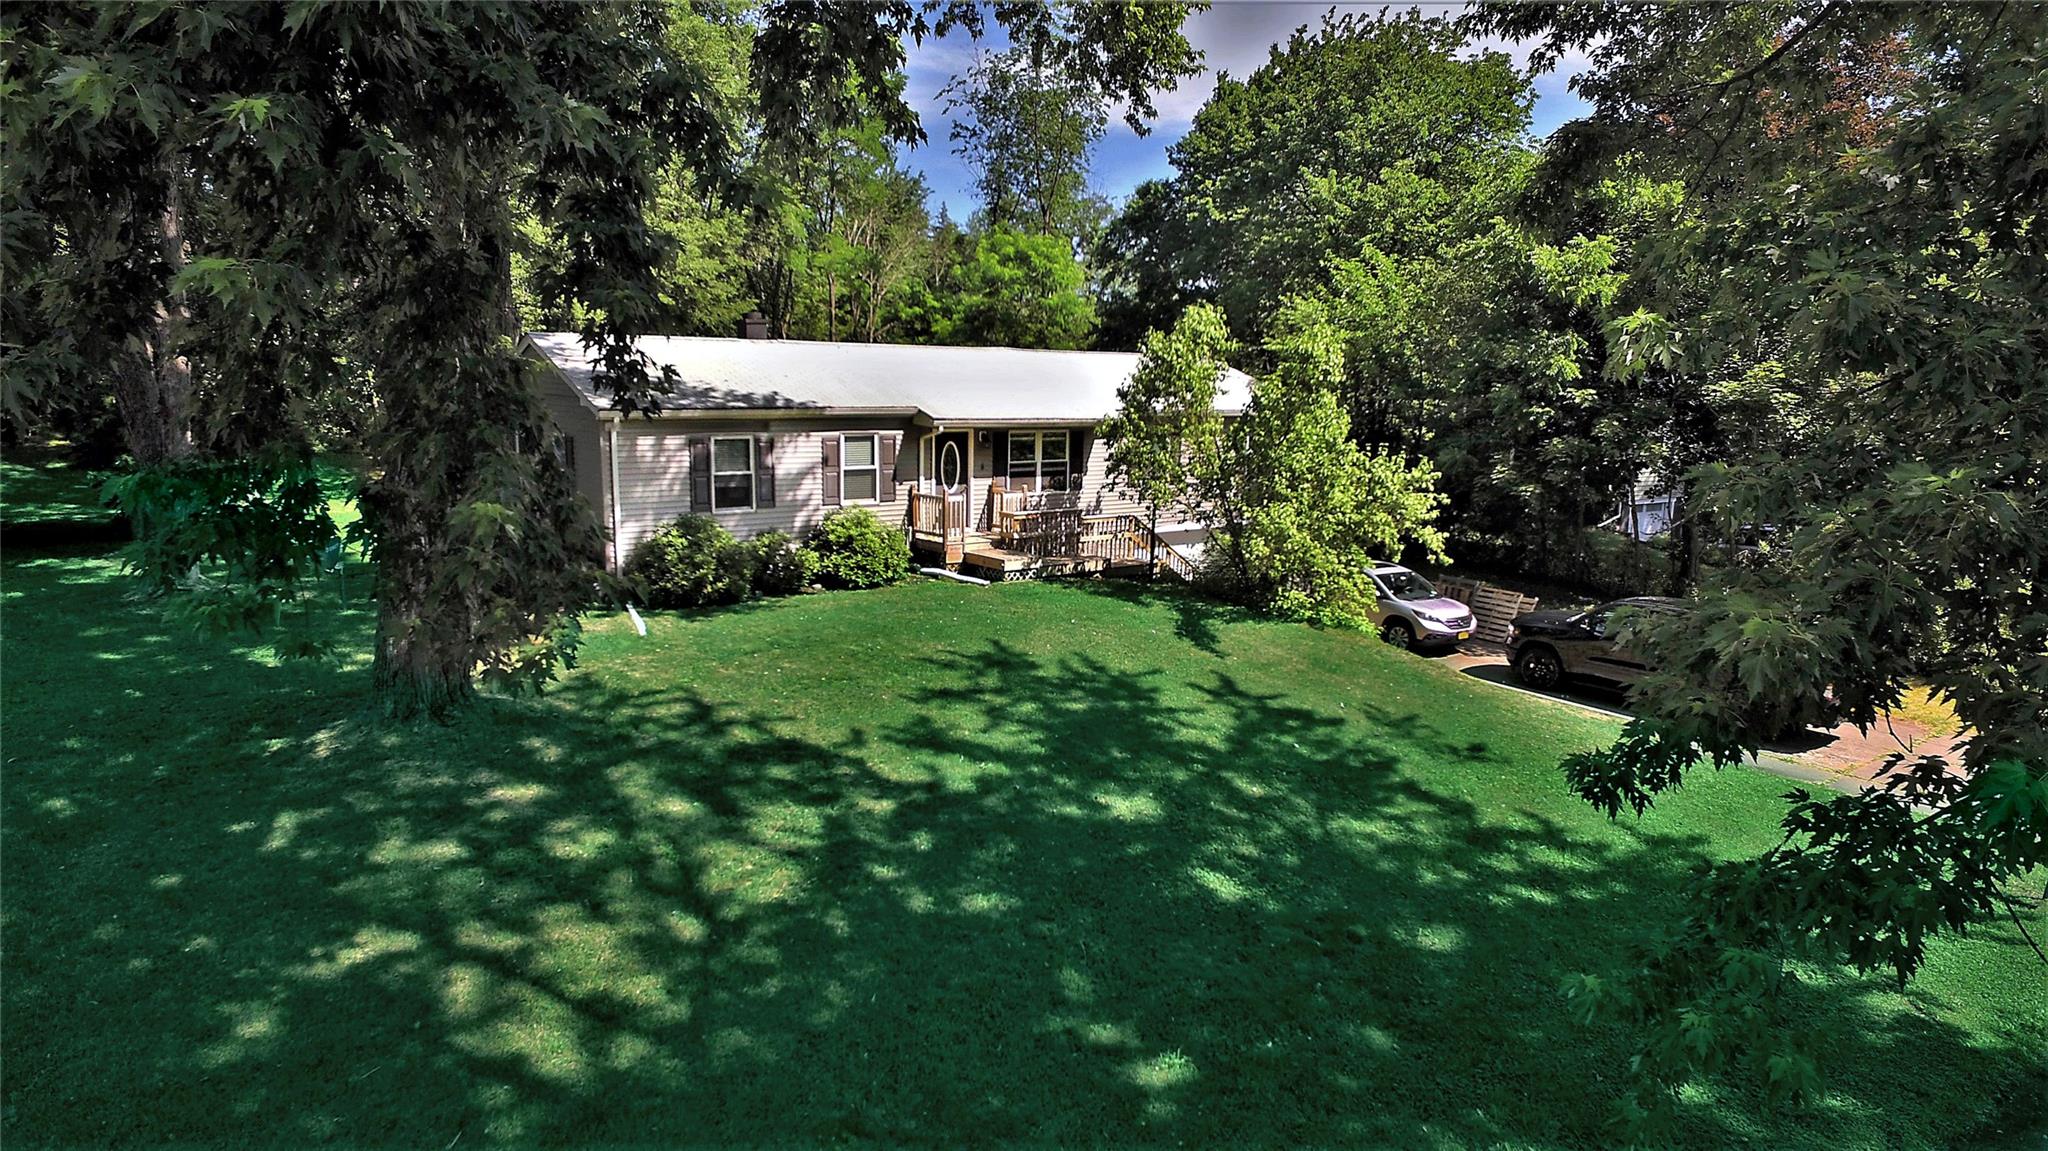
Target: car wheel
1538	668
1398	633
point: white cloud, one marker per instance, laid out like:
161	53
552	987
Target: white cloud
1236	38
930	68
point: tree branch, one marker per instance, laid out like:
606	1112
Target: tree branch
1775	54
2017	922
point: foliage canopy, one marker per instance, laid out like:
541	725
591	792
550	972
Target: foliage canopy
1867	181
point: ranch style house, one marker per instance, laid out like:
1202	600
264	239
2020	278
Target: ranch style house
987	457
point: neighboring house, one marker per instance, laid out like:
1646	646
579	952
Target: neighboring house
987	456
1646	512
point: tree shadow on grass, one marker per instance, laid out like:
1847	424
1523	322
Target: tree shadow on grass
1197	618
1061	900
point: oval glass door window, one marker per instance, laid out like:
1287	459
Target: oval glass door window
949	465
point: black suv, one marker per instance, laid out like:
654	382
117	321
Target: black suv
1545	647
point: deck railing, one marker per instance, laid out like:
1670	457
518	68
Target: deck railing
1005	508
1117	540
940	517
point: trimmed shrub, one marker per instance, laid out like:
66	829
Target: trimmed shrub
737	566
779	565
857	550
692	562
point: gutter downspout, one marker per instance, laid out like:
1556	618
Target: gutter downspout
612	498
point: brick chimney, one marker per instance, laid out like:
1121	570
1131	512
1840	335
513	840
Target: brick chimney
753	326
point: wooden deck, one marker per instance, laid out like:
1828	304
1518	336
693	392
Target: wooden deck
1037	535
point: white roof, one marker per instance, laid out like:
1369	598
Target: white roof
943	384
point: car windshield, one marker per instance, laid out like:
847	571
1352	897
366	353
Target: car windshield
1407	585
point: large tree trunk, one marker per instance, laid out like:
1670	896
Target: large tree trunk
423	666
152	380
441	405
483	548
425	658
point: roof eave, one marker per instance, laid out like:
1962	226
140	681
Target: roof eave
807	413
914	414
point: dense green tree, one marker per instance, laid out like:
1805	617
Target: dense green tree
1026	133
1487	357
390	152
710	239
1370	129
1870	193
874	255
864	227
323	136
1301	509
1297	511
1166	424
1016	290
1140	283
837	63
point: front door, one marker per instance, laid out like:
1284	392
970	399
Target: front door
948	466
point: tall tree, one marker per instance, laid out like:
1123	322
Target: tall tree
1140	284
1487	355
152	374
1027	133
858	220
1302	510
384	149
876	251
1166	413
1890	232
1369	129
711	238
1017	290
1297	511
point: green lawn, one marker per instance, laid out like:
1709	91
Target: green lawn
38	485
936	864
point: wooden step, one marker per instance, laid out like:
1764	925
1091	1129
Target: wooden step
998	563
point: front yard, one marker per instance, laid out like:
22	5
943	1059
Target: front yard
935	864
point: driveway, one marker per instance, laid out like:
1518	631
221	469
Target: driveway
1842	758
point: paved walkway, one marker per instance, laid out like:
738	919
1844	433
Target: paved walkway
1842	758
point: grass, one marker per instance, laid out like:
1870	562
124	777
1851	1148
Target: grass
934	864
39	485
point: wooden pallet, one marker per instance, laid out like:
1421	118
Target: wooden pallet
1493	608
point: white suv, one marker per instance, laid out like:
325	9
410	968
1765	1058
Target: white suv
1412	614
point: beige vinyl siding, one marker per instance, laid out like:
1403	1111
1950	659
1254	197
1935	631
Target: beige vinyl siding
654	475
1098	496
575	420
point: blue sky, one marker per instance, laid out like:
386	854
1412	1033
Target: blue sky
1234	36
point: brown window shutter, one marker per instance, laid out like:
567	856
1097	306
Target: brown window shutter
888	485
999	451
764	471
1079	442
700	473
831	470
